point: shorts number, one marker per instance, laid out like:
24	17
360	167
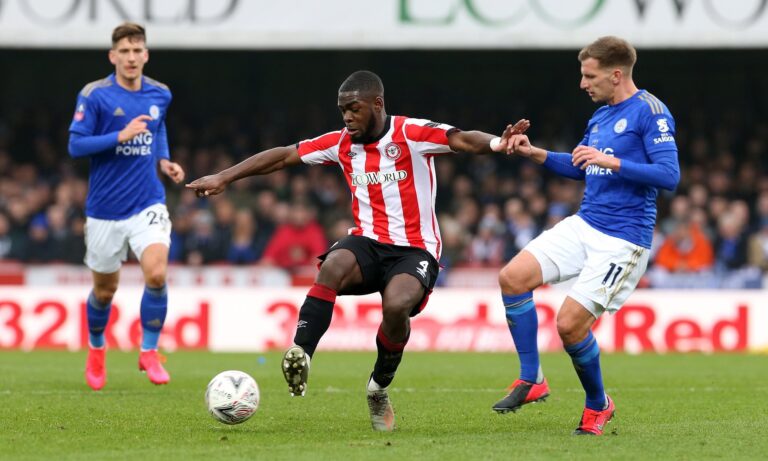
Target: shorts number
156	218
615	271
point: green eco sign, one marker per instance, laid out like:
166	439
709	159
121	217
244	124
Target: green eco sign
482	17
728	14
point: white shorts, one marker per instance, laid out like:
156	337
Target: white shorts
107	241
608	268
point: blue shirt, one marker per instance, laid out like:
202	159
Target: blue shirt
123	176
641	132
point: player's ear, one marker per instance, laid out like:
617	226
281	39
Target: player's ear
113	56
378	103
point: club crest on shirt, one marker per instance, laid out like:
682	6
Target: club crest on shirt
80	113
620	126
663	126
154	111
392	151
595	128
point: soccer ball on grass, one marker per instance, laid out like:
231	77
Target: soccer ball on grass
232	397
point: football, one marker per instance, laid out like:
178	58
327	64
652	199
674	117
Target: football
232	397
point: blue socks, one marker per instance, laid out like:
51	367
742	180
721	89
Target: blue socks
98	316
586	361
154	306
523	323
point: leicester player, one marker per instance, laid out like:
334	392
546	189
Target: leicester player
119	124
627	154
393	249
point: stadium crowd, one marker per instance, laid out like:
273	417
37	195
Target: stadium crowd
712	232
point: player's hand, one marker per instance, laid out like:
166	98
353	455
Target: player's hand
208	185
583	156
519	144
518	128
173	170
134	128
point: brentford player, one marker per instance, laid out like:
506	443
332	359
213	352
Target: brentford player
393	249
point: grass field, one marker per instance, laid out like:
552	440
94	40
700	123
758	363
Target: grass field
687	407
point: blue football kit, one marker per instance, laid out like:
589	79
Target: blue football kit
641	132
123	176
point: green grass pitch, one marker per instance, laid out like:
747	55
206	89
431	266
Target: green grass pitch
681	407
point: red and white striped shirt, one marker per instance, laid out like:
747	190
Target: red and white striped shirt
392	180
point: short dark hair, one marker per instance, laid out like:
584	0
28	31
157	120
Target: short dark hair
610	51
365	82
130	30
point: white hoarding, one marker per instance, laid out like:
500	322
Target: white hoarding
258	319
352	24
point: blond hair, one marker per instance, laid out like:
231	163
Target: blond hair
610	51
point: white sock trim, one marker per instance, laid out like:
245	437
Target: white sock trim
373	386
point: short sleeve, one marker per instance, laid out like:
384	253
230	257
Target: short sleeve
322	150
428	137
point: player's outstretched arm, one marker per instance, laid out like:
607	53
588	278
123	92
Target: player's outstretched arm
262	163
557	162
478	142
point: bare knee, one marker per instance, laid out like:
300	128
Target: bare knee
573	328
104	293
395	316
338	270
398	306
568	331
155	278
513	281
521	275
396	313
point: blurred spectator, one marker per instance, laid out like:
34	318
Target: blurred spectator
686	249
761	211
679	211
246	247
180	232
520	228
758	248
76	246
723	197
340	228
486	248
11	246
39	249
731	242
298	241
60	238
203	244
455	239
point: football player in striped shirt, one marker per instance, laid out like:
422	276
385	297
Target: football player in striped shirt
394	245
627	154
119	125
